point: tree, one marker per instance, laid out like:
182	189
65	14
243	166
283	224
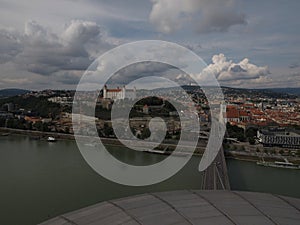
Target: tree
281	152
251	140
2	122
242	148
251	132
235	132
67	130
38	126
273	151
39	105
226	146
108	131
145	133
45	127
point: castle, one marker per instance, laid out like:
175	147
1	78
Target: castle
119	93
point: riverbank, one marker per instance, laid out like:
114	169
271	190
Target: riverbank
33	133
163	149
166	148
254	157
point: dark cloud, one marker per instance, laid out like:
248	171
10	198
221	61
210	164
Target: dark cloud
141	70
203	16
68	77
193	47
220	20
294	65
9	46
40	51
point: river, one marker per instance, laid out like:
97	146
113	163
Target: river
40	180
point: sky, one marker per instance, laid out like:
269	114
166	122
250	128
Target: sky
246	44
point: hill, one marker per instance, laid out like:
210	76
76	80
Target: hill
293	91
12	92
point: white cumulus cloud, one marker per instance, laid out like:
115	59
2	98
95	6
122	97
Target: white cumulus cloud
227	70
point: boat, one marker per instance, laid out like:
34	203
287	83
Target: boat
153	151
91	144
160	152
278	164
51	139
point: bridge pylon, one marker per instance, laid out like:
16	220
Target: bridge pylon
215	177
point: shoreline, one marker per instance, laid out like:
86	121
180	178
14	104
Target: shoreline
106	141
33	133
242	156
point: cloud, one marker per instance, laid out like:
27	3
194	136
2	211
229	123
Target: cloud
70	77
205	15
78	33
226	71
142	70
9	45
294	65
41	51
229	73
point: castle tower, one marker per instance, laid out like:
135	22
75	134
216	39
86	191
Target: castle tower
105	91
123	94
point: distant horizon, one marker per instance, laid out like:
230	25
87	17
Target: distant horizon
13	88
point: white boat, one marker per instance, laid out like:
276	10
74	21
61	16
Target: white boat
277	164
51	139
160	152
91	144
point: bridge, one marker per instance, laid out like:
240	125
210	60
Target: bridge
215	177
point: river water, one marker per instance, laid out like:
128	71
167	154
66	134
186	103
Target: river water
40	180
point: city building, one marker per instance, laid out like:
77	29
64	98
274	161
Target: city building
61	100
278	137
119	93
146	109
6	115
236	115
232	114
33	119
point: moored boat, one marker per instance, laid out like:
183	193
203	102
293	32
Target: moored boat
277	164
51	139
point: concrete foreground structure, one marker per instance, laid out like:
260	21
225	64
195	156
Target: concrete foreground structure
189	207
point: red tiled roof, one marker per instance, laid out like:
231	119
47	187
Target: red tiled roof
243	113
232	113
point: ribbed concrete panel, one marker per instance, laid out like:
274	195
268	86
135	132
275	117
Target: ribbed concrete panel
189	207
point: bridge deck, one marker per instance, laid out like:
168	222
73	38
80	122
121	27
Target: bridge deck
215	177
